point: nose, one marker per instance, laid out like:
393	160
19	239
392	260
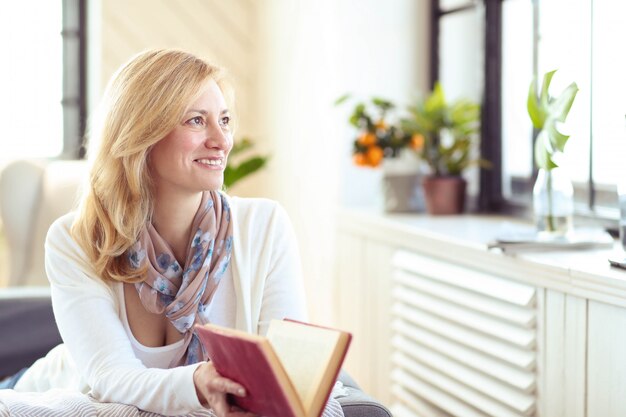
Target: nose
217	138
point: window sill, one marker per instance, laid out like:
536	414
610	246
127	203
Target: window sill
463	240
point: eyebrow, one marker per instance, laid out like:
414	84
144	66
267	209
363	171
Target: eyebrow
204	112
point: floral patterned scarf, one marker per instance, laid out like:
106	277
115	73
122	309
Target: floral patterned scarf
183	293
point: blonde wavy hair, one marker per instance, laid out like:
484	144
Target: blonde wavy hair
144	101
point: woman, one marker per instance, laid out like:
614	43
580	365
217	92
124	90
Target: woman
155	248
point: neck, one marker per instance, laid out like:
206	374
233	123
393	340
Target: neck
173	216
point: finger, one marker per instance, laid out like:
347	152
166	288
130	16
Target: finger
227	386
220	406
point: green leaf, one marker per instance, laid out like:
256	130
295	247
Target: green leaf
557	139
359	116
382	104
241	145
234	173
464	118
354	120
464	111
342	99
546	112
560	107
537	115
545	94
436	101
543	157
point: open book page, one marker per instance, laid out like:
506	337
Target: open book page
306	353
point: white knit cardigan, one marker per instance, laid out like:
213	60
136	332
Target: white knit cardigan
97	356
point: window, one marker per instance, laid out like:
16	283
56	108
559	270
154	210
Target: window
517	71
526	38
459	64
31	83
42	85
608	91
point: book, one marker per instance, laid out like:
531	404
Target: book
527	240
288	373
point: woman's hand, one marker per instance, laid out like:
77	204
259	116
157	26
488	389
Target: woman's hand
212	389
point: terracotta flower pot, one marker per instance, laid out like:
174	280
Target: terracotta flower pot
444	195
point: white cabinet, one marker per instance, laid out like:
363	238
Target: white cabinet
442	327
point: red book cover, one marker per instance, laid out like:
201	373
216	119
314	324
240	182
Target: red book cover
248	361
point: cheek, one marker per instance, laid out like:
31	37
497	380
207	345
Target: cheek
176	144
231	142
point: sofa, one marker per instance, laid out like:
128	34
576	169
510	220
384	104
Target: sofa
32	195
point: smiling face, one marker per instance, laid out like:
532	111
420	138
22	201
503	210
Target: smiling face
192	157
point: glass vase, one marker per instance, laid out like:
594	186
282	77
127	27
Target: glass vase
553	202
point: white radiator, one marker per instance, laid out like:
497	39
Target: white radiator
464	341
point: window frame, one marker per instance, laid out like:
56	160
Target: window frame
594	202
490	183
74	99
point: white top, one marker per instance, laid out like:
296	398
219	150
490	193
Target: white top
98	354
221	311
151	357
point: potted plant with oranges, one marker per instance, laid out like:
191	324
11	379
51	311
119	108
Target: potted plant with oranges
381	142
378	139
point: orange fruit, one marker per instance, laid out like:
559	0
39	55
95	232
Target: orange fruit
417	141
367	139
375	155
381	125
360	159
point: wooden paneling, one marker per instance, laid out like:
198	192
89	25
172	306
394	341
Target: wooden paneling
362	303
563	393
223	32
606	370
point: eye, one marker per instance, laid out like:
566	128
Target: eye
195	121
225	121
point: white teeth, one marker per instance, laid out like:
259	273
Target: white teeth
214	162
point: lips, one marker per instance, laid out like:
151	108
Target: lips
214	162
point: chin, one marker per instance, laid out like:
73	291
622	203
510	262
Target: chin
214	186
213	183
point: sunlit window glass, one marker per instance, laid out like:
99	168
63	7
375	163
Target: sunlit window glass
564	45
609	91
517	69
31	79
462	54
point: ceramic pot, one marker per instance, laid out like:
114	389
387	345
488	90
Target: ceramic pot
403	193
445	194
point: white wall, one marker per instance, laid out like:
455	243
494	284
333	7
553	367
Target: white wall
313	52
290	61
224	32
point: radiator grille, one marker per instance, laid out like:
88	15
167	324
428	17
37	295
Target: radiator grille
464	341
